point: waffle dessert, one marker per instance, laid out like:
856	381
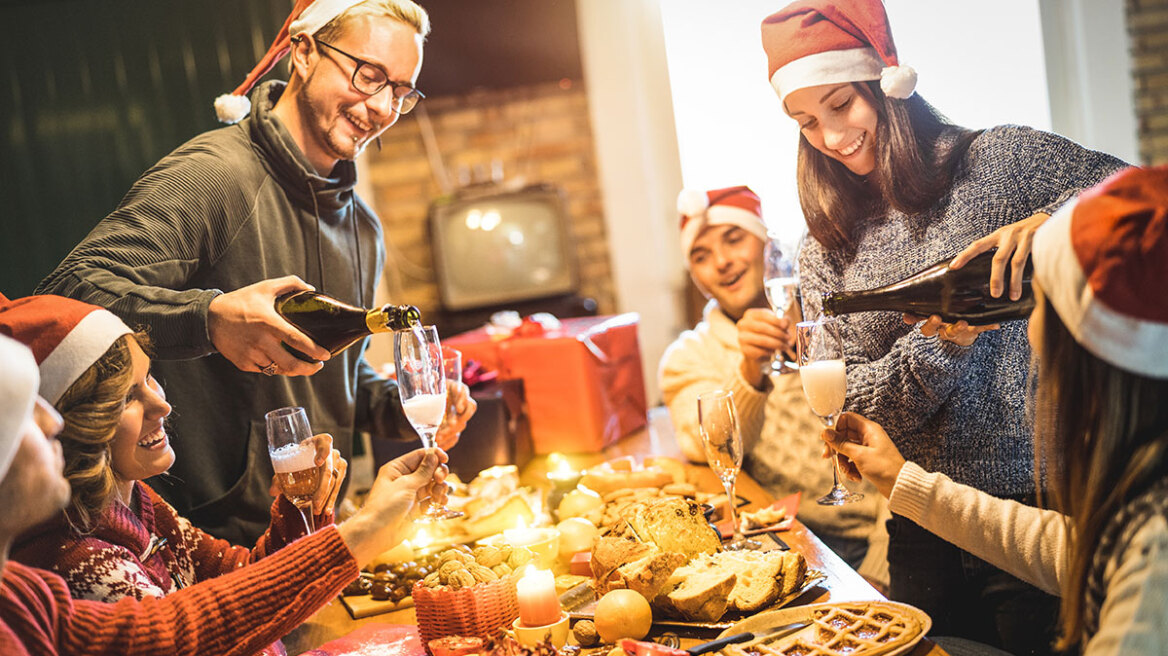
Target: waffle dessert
869	628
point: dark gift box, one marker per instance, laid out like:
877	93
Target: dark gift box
499	433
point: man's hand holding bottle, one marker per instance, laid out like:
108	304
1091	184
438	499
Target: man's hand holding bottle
246	329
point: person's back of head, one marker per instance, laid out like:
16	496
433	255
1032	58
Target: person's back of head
1101	342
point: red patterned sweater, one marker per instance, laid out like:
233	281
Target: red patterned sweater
115	560
234	614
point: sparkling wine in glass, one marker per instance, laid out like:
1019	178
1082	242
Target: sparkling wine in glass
421	381
782	292
293	454
825	384
718	423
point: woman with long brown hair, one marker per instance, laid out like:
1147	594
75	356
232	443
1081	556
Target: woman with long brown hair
888	187
1100	338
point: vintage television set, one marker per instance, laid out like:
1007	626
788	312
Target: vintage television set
503	250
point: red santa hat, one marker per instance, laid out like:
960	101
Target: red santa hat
307	17
1102	260
18	392
814	42
66	336
733	205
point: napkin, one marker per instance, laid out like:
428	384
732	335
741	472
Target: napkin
789	502
377	638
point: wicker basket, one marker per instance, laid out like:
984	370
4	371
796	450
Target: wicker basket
475	611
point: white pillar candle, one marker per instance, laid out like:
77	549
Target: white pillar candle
538	603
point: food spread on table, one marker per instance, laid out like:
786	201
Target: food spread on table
633	549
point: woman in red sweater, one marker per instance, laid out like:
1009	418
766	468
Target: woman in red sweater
236	613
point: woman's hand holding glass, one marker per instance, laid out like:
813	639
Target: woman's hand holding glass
395	498
332	469
870	452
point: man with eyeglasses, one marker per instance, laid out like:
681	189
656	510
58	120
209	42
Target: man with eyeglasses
206	240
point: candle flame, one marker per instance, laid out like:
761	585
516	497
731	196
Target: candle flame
529	570
422	539
559	466
520	523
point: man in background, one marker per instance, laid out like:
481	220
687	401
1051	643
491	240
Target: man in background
722	239
206	240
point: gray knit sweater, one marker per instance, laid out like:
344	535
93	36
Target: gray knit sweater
960	411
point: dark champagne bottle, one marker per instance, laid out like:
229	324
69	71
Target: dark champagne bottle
954	294
335	325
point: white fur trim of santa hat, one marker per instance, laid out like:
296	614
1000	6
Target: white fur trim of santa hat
18	391
1129	341
66	336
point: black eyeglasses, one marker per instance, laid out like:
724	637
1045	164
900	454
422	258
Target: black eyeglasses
370	79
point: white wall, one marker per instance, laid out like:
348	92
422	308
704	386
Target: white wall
622	47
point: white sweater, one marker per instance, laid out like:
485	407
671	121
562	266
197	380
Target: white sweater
781	436
1031	543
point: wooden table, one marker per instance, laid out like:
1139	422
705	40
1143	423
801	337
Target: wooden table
842	583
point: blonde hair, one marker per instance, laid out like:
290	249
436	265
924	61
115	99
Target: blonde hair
405	11
1101	438
92	408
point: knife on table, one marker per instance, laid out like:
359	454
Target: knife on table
644	648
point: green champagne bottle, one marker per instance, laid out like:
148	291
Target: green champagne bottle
336	326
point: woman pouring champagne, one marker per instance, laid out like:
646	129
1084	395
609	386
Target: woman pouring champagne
889	187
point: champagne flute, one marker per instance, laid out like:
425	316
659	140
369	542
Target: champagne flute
825	384
293	454
718	423
421	381
782	291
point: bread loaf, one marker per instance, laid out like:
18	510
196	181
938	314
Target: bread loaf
674	524
701	590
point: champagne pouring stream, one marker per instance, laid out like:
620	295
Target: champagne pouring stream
421	381
825	384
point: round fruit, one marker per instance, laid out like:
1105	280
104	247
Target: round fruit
576	534
578	502
623	614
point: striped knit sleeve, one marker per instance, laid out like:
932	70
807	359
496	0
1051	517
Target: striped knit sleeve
139	262
235	614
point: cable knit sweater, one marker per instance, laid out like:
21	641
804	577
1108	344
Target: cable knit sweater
1132	571
114	561
780	433
234	614
961	411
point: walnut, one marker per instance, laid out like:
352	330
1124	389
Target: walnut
432	580
502	569
519	557
461	579
488	556
482	574
586	633
450	567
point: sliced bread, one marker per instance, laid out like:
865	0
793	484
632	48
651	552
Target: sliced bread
702	590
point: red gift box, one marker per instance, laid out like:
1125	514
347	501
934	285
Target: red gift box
582	381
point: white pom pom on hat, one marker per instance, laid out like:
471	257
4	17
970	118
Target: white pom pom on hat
692	202
307	16
813	42
18	392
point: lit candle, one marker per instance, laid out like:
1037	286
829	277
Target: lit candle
538	603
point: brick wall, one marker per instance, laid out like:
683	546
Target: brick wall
1147	22
540	133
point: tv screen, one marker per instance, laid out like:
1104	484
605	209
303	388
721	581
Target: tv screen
500	248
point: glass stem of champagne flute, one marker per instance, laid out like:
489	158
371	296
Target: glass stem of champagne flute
732	507
306	514
836	474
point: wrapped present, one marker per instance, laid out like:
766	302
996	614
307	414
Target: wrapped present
498	434
582	379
